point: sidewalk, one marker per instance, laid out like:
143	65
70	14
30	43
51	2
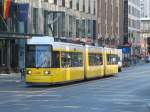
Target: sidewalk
11	75
140	63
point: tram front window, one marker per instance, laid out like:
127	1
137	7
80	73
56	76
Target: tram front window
38	56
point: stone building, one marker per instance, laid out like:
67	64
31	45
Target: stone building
74	19
110	22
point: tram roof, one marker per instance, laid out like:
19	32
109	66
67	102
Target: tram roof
64	45
112	50
40	40
67	46
94	49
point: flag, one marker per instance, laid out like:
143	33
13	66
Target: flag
9	8
7	5
12	9
23	12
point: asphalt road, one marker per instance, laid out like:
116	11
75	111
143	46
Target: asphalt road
129	91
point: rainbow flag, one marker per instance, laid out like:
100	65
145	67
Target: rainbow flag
7	5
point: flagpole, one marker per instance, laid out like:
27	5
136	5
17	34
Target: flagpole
1	15
4	21
2	7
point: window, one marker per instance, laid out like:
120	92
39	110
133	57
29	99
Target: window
45	0
77	4
95	59
76	60
35	20
112	59
56	59
46	30
89	7
83	5
55	2
71	59
63	3
38	56
70	4
77	28
94	7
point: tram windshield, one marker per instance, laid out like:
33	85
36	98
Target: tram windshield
38	56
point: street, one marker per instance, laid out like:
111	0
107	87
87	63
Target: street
129	91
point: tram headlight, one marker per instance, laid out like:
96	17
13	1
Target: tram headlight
47	72
29	72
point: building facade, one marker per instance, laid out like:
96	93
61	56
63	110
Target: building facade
109	22
62	18
73	19
132	25
145	8
8	47
145	27
145	36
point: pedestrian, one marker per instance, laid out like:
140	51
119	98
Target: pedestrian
22	74
134	59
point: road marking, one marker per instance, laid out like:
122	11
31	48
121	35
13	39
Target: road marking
70	106
27	92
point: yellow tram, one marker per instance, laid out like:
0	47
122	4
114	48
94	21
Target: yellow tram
111	63
50	62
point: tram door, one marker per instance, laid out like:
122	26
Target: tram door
61	72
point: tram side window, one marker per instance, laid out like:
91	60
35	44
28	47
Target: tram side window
111	59
30	56
108	59
95	59
115	59
71	59
56	59
76	60
65	60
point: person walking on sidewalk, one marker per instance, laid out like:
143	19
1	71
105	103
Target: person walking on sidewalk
22	72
